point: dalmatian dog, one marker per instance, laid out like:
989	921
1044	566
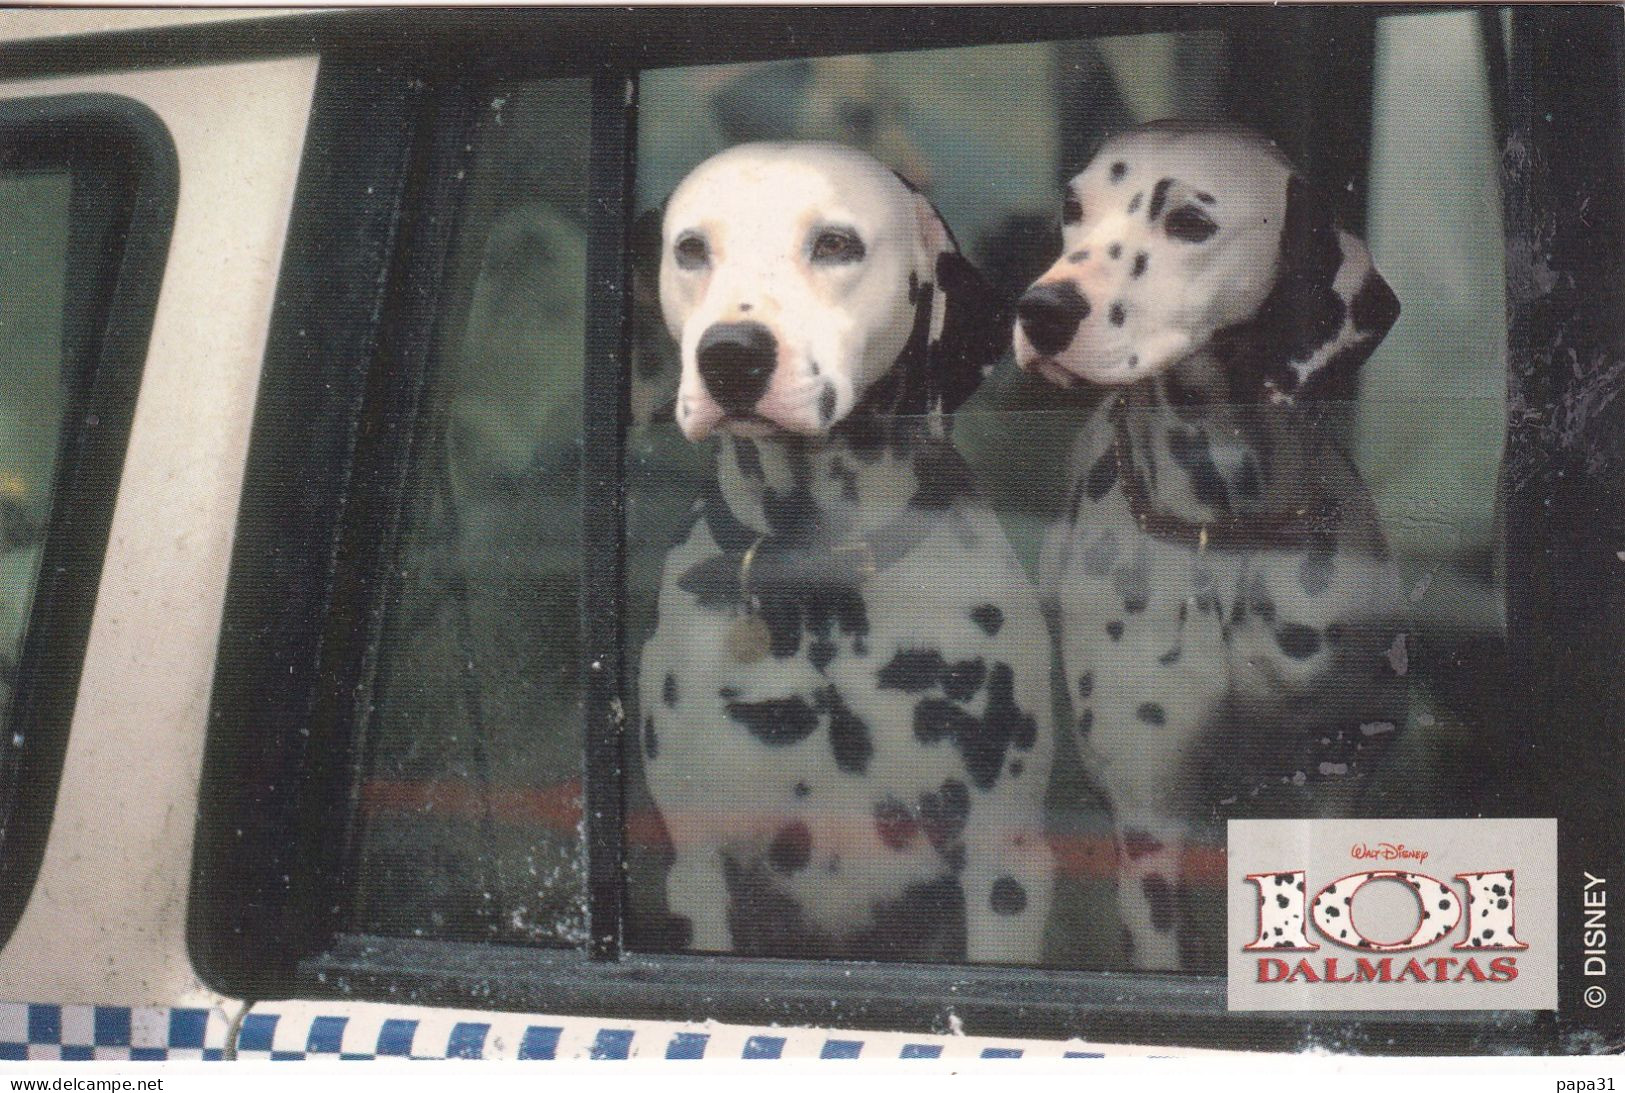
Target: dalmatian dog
1218	574
845	702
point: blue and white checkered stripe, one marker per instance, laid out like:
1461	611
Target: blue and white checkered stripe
329	1030
34	1031
300	1030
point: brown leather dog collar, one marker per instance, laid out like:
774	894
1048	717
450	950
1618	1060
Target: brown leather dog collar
1294	529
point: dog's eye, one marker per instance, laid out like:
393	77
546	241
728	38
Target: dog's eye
1071	210
836	247
692	253
1190	224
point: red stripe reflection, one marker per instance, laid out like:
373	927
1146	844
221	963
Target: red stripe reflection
558	808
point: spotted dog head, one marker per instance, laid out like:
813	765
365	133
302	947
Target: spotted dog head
1180	238
803	281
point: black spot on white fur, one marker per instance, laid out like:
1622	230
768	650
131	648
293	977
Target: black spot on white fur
1298	641
989	618
1159	197
776	722
912	671
1190	450
982	741
849	737
962	679
789	614
944	812
1008	897
791	848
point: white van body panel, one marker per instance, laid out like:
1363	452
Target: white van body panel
107	917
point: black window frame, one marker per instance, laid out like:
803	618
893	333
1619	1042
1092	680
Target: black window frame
333	436
125	184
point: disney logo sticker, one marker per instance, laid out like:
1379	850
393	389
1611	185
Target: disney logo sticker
1431	914
1387	852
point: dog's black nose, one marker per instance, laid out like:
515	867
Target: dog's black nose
1050	314
736	362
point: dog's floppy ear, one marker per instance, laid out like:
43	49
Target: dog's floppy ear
1324	315
1331	372
970	325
